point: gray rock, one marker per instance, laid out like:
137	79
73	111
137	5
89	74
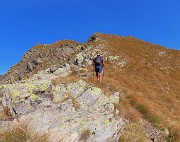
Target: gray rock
66	106
114	98
53	68
68	50
109	107
63	71
79	59
63	121
29	67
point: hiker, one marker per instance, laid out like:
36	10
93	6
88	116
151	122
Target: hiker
98	64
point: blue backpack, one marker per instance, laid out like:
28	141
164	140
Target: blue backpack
98	60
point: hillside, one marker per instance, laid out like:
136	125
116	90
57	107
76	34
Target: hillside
149	74
144	78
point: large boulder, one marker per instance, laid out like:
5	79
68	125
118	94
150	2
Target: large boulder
22	98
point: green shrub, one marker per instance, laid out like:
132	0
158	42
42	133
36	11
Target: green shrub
144	110
155	120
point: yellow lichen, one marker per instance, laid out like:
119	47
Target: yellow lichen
58	88
63	126
15	94
106	122
25	85
86	123
84	129
81	89
32	86
29	107
33	97
1	86
23	100
96	90
43	86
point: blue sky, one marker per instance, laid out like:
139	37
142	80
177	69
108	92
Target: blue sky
24	23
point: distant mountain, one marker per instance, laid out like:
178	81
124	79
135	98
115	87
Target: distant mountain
144	75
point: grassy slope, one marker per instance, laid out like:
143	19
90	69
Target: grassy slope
150	80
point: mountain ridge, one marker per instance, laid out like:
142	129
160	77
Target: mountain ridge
61	42
146	74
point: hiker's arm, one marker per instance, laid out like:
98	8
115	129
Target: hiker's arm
102	64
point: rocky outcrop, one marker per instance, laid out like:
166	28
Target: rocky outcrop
64	111
41	57
155	135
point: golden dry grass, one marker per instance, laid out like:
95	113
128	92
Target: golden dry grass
20	133
76	104
1	115
72	77
56	81
5	114
134	133
85	135
149	81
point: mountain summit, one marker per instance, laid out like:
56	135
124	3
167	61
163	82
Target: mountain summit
54	94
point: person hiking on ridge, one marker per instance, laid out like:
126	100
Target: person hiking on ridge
98	64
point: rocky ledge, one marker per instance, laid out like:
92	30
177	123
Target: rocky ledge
64	111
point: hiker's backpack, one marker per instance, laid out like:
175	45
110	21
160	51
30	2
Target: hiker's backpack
98	60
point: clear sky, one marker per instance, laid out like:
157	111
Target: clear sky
24	23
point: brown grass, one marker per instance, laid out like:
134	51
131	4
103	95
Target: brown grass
1	115
85	134
56	81
5	114
72	77
150	82
127	112
134	132
19	133
76	104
